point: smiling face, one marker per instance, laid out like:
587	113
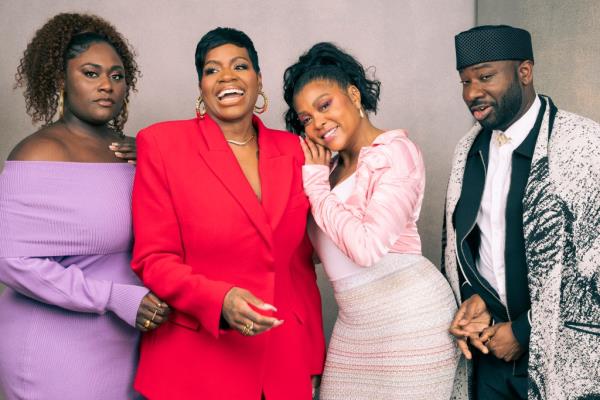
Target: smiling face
229	84
329	113
95	85
495	92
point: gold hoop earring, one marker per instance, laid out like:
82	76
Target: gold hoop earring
124	110
121	119
265	106
200	107
61	103
361	112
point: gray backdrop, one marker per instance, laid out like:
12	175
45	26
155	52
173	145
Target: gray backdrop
566	47
409	42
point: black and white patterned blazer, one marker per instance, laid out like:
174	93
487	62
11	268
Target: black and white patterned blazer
561	223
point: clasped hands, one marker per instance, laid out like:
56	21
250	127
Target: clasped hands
471	324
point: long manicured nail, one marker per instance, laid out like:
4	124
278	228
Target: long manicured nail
267	306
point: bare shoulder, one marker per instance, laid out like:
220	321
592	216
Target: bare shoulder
44	145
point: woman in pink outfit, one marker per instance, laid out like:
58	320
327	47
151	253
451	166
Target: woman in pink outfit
390	339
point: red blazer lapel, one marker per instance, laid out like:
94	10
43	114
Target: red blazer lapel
276	171
219	158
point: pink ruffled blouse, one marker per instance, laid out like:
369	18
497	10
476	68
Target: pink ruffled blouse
380	215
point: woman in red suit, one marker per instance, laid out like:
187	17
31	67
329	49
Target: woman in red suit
219	222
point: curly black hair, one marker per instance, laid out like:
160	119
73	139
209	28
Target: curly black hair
327	61
43	65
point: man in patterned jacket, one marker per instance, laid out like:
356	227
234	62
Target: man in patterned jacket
522	237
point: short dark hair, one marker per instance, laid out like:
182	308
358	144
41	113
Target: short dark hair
220	36
328	62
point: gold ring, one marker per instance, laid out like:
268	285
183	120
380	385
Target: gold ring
154	315
147	324
247	330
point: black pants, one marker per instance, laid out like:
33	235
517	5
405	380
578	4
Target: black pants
495	380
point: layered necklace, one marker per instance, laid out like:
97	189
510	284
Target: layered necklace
242	142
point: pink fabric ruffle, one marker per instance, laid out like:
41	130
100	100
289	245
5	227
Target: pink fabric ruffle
380	215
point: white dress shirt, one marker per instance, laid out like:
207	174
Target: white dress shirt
491	218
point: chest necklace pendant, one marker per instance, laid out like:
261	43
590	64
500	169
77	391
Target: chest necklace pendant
502	139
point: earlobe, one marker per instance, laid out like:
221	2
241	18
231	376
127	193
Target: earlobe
526	72
354	95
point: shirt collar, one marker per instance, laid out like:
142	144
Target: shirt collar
519	130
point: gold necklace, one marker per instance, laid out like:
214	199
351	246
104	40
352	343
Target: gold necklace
242	143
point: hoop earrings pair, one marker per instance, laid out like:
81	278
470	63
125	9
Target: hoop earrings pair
201	107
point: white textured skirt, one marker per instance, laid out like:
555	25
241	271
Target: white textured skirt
390	339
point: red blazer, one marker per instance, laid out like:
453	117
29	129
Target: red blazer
200	230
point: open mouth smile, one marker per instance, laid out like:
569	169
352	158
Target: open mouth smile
230	94
329	135
481	112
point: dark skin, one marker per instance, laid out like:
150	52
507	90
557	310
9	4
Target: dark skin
498	93
94	92
229	67
324	106
491	84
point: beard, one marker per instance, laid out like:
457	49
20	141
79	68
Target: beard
506	109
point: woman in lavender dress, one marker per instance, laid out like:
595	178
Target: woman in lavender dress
72	302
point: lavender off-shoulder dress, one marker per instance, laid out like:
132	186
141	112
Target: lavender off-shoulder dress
68	314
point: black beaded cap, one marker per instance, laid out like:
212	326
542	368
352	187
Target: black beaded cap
492	43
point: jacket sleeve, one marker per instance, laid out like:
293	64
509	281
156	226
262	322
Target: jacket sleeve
521	327
466	290
158	250
389	185
48	281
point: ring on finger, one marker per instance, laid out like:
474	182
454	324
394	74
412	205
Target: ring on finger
248	329
154	315
147	324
